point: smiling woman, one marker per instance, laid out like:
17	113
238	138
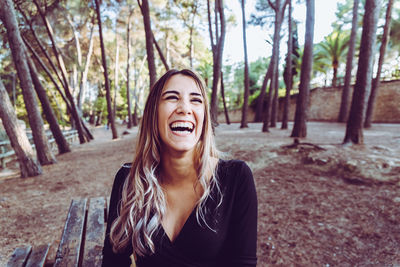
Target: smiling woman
178	203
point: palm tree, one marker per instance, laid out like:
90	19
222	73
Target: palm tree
334	48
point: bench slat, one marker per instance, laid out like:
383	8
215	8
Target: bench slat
95	231
38	256
19	256
70	244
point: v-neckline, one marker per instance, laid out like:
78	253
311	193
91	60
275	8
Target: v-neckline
172	242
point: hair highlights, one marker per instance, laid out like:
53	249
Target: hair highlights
143	202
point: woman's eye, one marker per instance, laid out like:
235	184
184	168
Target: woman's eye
171	97
198	100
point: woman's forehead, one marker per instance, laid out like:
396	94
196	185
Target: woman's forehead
181	83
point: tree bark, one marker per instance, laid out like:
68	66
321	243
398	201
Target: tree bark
354	129
260	101
84	74
344	104
289	75
223	99
217	49
62	144
271	113
128	46
246	72
300	120
17	47
160	53
106	80
17	136
144	7
376	81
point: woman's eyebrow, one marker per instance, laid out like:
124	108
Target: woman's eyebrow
177	93
196	94
170	92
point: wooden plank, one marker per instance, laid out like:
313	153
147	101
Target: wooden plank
71	239
19	256
95	232
38	256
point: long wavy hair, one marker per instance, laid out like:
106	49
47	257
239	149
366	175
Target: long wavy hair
143	203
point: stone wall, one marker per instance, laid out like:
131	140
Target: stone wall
325	104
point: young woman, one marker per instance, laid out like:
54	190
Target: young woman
178	204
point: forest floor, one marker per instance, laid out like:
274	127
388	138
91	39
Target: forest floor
320	203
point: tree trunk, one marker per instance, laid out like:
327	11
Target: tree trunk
289	75
223	99
260	101
300	120
246	72
17	136
217	50
62	144
144	7
160	53
376	81
128	46
344	104
354	129
270	113
64	74
267	110
84	74
116	76
106	80
17	47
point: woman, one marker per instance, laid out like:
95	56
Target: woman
178	204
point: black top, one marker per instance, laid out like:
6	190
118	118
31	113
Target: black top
233	241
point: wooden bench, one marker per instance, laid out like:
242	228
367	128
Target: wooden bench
81	241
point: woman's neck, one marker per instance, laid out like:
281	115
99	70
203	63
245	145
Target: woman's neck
177	170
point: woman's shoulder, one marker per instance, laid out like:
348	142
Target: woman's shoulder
232	165
122	173
234	169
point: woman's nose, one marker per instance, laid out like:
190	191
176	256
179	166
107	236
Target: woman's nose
184	107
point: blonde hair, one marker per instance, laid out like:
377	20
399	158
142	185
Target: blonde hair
143	203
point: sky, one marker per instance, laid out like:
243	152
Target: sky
256	44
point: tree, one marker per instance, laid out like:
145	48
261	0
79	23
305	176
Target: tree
246	71
376	81
354	129
62	144
223	99
260	100
128	45
344	104
279	10
188	10
18	139
106	80
333	48
300	120
290	69
7	15
217	46
144	7
64	75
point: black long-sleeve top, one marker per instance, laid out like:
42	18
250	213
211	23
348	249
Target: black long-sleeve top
231	242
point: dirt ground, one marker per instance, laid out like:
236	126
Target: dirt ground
320	203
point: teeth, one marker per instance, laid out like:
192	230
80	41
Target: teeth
181	124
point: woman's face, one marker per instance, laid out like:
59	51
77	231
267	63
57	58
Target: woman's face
180	114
